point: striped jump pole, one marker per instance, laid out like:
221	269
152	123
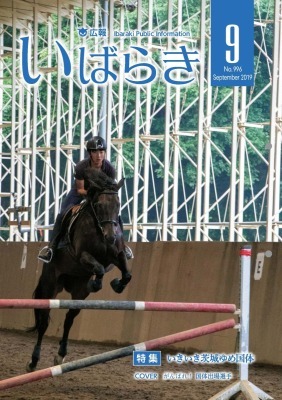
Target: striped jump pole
114	354
118	305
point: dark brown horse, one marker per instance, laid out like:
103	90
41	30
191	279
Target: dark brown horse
94	242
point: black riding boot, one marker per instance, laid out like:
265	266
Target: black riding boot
46	254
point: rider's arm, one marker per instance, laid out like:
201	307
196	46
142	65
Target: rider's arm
79	184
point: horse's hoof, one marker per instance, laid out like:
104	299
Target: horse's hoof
29	367
58	360
93	286
117	286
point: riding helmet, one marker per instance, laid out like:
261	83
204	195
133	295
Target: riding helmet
96	143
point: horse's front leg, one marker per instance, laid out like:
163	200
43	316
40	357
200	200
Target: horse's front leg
95	268
119	285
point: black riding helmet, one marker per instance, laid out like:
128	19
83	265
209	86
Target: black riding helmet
96	143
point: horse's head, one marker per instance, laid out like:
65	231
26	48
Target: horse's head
103	196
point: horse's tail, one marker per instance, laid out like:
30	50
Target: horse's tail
38	313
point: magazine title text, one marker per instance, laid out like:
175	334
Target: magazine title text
138	66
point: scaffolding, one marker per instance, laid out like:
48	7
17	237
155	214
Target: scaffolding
200	162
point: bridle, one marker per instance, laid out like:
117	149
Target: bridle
106	221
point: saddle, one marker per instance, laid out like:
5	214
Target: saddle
68	221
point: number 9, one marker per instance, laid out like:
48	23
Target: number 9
232	32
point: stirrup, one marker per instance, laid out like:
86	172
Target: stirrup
128	253
47	257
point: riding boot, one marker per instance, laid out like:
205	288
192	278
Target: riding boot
46	254
128	252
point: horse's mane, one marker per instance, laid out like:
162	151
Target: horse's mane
99	181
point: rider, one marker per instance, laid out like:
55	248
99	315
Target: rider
96	148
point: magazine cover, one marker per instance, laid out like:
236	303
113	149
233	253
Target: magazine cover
140	192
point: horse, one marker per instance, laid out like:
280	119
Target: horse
92	243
